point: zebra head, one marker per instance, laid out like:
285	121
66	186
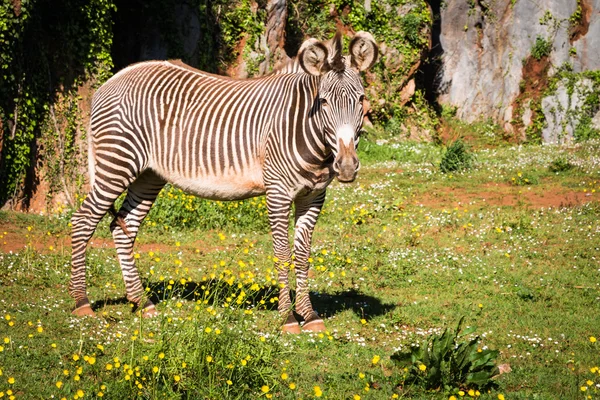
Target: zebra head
340	96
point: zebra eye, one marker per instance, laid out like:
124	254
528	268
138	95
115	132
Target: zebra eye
361	98
323	102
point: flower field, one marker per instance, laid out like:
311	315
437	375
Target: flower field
512	244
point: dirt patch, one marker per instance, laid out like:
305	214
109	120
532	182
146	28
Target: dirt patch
505	195
237	69
15	238
581	28
534	83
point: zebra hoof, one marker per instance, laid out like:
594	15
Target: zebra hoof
149	312
293	328
316	325
84	310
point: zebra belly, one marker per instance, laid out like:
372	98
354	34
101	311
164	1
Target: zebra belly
224	187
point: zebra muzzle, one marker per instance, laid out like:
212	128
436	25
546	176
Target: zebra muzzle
346	164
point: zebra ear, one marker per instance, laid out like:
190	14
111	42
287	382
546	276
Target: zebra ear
363	51
313	57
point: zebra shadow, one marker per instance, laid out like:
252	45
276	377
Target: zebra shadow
218	292
363	305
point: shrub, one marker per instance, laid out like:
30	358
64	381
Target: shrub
441	362
560	165
456	157
541	48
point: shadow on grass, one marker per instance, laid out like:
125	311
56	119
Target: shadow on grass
216	292
364	306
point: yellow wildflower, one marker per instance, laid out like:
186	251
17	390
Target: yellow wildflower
318	392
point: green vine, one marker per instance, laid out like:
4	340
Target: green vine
47	50
401	25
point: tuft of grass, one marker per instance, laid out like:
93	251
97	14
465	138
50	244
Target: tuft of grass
524	179
560	164
457	157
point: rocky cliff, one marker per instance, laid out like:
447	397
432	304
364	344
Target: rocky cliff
501	59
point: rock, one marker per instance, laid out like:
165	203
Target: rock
596	121
485	44
393	60
586	46
527	113
407	92
562	110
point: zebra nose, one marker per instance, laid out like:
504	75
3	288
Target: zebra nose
336	166
346	168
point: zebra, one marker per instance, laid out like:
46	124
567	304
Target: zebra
286	135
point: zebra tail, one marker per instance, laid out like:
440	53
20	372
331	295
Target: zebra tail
119	220
91	156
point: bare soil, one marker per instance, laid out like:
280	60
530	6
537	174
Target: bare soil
503	194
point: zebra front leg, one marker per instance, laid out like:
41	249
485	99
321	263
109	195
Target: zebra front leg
278	206
308	209
140	197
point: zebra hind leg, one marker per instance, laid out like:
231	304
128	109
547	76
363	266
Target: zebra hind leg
84	222
140	197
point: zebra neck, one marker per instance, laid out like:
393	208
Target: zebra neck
296	146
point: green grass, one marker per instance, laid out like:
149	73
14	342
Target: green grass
401	254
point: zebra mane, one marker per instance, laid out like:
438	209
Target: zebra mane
292	66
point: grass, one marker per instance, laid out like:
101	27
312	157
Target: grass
401	254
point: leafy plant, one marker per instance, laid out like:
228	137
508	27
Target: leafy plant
36	79
541	48
448	111
441	362
560	164
456	157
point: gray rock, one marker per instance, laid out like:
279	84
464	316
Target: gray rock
561	110
588	46
485	43
596	121
527	113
